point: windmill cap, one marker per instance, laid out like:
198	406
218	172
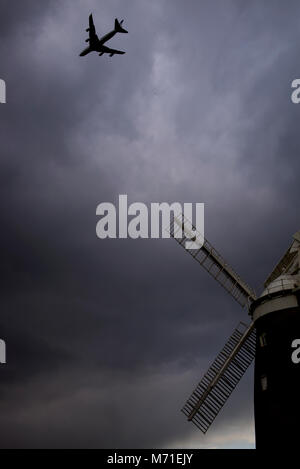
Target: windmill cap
297	236
282	283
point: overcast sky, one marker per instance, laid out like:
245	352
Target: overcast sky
106	339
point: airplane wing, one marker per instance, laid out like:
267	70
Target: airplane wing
111	52
91	29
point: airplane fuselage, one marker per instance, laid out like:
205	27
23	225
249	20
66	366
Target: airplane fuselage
107	37
95	45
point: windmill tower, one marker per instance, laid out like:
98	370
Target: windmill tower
275	324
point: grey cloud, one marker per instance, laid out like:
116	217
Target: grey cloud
198	110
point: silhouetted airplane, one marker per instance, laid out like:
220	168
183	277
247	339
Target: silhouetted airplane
97	44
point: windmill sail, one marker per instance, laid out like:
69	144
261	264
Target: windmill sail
211	260
221	378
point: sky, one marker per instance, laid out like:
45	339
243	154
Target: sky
106	339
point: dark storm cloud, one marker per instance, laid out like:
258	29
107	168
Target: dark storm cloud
28	356
197	110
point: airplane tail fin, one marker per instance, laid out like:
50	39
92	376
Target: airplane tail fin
118	27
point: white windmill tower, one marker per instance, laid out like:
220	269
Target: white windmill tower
269	338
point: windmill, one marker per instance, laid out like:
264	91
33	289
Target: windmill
275	323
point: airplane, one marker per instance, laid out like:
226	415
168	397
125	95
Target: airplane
97	44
